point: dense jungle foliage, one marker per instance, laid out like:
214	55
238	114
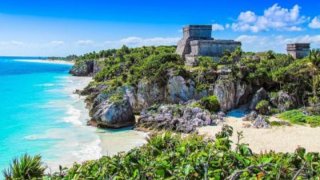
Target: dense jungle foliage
173	156
127	66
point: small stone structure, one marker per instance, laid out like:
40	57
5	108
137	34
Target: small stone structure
298	50
197	41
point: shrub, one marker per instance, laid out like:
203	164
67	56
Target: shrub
207	62
293	116
210	103
298	117
175	156
26	167
263	107
314	121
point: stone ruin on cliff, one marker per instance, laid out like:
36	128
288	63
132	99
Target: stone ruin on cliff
298	50
197	41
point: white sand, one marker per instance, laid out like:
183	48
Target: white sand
123	140
279	139
46	61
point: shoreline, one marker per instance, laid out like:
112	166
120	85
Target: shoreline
47	61
78	142
110	142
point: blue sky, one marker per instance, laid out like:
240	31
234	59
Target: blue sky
62	27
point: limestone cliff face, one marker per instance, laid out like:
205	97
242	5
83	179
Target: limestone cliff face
82	68
180	90
231	93
86	68
177	90
114	114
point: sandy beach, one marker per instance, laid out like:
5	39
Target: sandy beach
279	139
97	142
111	141
46	61
123	140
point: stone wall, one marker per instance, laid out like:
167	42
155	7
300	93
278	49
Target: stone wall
298	50
192	32
213	48
197	31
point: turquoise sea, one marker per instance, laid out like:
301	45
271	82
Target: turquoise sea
39	114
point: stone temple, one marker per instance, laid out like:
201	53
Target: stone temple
197	41
298	50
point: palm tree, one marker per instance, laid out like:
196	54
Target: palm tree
25	167
314	56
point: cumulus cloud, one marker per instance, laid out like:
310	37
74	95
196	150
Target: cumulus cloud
217	27
273	18
315	23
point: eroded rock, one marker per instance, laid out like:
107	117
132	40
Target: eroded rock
283	101
114	114
180	118
83	68
259	95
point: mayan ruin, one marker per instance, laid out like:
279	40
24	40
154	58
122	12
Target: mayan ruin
298	50
198	41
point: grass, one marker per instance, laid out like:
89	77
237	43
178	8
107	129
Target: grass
298	117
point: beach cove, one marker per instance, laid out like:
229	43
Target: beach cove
42	115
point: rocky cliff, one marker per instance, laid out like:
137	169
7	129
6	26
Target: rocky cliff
128	81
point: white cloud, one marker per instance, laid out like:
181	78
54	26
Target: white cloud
273	18
276	43
217	27
138	41
315	23
314	40
11	43
56	43
84	42
247	38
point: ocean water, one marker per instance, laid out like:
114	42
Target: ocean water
39	114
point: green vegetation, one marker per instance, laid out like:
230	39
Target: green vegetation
131	65
263	107
210	103
173	156
275	72
27	167
298	117
207	62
